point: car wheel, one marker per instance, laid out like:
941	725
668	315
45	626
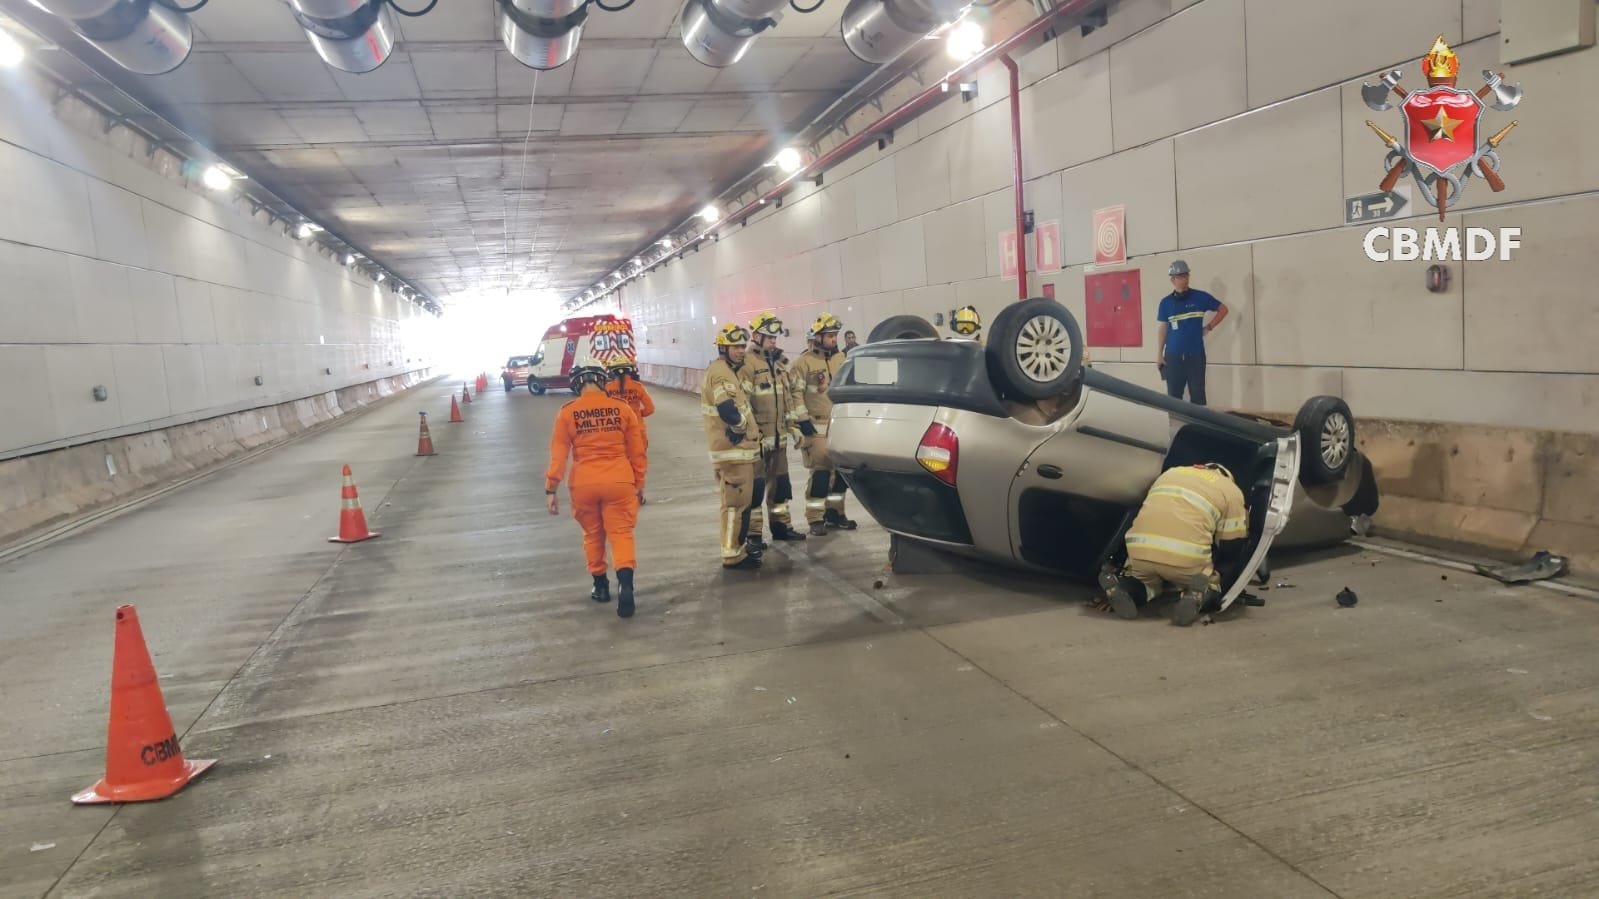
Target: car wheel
1037	347
535	387
1327	434
901	327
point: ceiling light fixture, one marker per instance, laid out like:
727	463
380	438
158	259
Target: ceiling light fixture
710	214
789	160
10	51
215	178
541	34
878	31
349	258
144	37
350	35
965	41
717	33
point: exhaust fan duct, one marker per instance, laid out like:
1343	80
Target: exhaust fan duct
141	36
718	32
541	34
878	31
350	35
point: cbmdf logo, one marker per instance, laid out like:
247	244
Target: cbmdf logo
1441	146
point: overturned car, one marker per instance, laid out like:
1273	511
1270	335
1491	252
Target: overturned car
1019	454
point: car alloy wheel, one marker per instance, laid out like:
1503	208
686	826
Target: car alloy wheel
1043	348
1335	440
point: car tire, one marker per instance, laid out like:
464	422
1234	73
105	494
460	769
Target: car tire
535	387
1036	347
1327	439
902	327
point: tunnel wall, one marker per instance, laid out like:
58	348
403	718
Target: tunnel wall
1232	131
120	273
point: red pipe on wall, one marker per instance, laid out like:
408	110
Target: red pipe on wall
1016	173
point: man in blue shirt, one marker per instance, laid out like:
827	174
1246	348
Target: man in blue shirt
1180	347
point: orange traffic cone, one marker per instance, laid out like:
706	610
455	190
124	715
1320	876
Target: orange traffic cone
352	521
455	409
143	760
424	440
466	394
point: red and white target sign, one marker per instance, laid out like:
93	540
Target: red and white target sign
1110	235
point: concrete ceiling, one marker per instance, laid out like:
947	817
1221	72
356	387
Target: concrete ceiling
425	160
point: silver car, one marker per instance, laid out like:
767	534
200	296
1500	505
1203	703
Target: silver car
1019	454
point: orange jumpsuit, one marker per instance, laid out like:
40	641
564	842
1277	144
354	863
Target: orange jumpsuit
633	393
606	441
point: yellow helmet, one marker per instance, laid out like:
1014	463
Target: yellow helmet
824	323
966	321
767	323
732	334
620	363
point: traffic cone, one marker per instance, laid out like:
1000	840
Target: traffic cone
466	394
455	409
143	760
424	440
352	521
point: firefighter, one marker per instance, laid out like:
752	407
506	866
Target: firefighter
776	402
625	385
966	322
733	439
1193	521
814	370
606	441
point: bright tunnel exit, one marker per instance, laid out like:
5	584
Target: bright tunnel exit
482	330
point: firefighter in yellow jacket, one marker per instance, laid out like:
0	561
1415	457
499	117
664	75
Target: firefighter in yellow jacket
733	439
1193	521
814	370
776	401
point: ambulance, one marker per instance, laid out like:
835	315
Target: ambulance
590	340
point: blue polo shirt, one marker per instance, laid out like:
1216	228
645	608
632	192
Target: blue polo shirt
1184	316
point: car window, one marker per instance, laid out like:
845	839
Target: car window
517	361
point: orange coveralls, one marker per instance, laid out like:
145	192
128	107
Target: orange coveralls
606	441
636	396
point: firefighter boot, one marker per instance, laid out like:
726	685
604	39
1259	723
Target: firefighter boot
782	531
602	589
1191	600
836	519
624	593
1126	595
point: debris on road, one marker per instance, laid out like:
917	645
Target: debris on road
1541	566
1347	597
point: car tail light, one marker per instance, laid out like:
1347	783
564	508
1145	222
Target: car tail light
940	452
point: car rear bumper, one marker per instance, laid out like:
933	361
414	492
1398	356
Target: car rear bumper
915	505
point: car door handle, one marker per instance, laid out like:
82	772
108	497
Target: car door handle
1052	472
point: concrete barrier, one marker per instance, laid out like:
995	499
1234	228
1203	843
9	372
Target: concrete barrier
1501	492
47	489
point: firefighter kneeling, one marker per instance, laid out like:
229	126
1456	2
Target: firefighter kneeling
734	441
606	440
1192	521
